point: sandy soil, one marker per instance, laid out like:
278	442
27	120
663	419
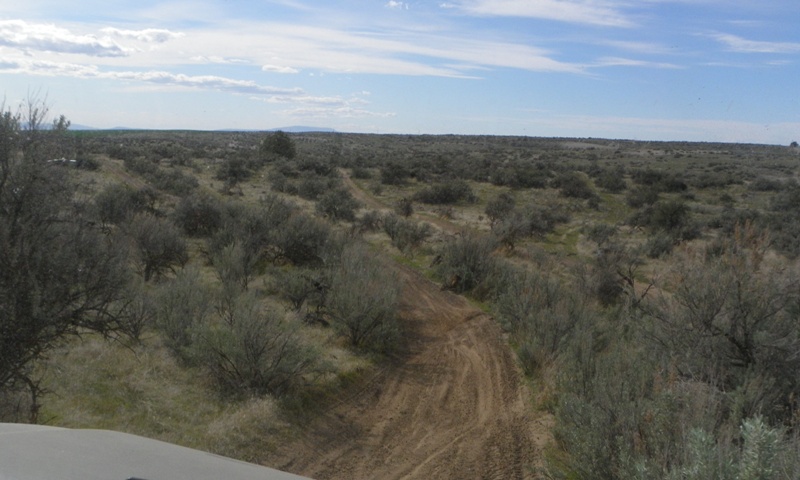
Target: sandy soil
454	407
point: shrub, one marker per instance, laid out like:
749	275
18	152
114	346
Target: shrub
601	233
233	171
574	185
137	311
641	196
670	215
234	266
659	244
543	219
512	228
174	181
338	205
362	173
466	261
404	207
449	192
394	173
612	181
255	352
370	221
281	183
199	215
158	246
500	206
311	186
762	184
730	321
520	176
276	145
406	235
248	237
301	240
539	313
301	285
363	301
140	165
118	202
182	304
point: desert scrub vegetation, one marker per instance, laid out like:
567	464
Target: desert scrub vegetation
648	288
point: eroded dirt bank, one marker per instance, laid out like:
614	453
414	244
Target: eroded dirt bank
454	407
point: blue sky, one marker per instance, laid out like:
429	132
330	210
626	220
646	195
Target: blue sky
699	70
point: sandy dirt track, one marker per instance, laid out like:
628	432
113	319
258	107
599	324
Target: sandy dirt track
453	407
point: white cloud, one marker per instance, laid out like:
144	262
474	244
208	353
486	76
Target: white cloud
220	60
397	5
152	77
149	35
627	62
50	38
400	52
309	106
742	45
639	47
279	69
593	12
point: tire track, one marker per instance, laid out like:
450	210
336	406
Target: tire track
455	407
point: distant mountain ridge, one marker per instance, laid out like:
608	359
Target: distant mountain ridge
303	129
290	129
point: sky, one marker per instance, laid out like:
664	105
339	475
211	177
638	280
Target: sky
688	70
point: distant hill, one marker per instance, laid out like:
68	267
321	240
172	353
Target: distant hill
302	129
78	126
292	129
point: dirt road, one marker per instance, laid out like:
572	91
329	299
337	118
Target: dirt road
455	406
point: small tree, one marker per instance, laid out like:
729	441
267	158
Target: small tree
277	144
59	276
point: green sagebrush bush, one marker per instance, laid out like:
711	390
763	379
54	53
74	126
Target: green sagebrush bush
574	185
499	207
277	145
540	314
182	304
697	383
363	300
406	235
118	202
253	349
199	214
157	246
466	261
337	205
452	191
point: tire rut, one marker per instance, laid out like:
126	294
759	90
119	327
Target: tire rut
454	407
